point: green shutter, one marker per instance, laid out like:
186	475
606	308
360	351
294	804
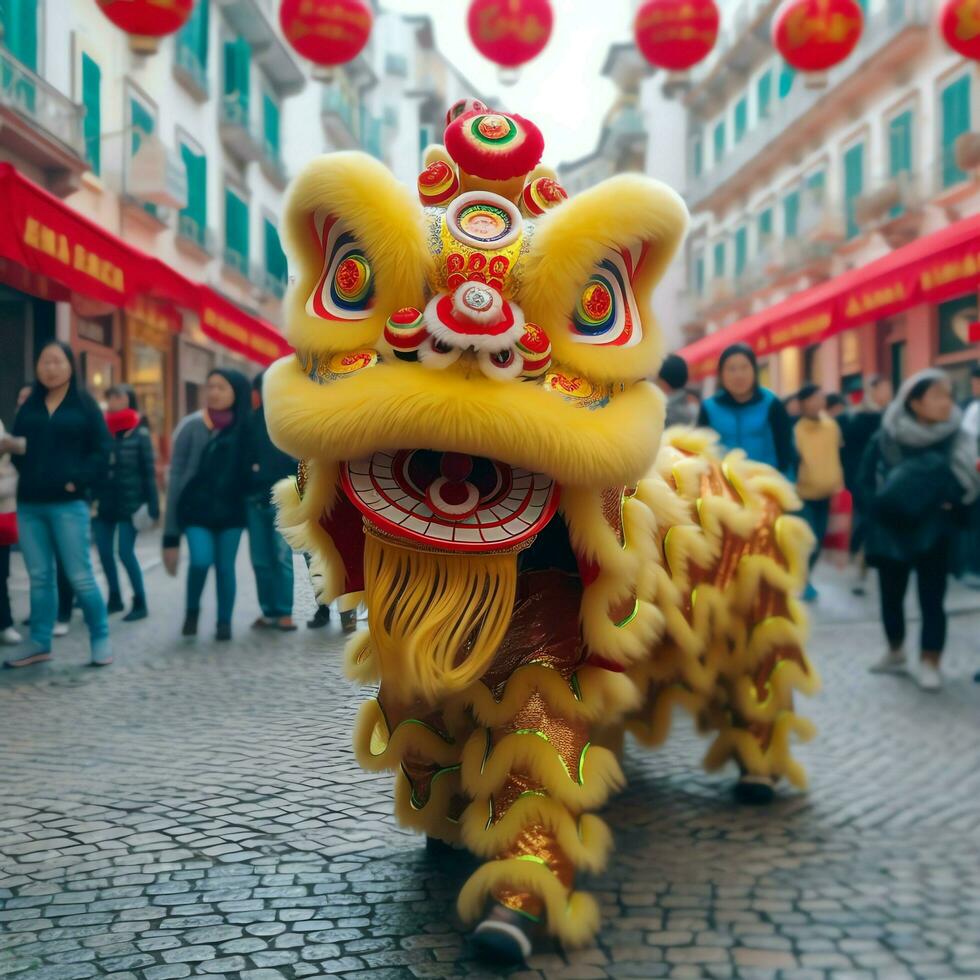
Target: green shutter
900	144
193	41
956	121
764	91
196	212
270	125
699	275
719	262
92	100
791	214
741	250
697	158
719	140
765	226
275	258
816	185
238	56
853	185
741	117
142	122
236	231
19	19
786	76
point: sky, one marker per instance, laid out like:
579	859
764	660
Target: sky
561	90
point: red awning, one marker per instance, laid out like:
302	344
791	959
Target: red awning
51	250
929	270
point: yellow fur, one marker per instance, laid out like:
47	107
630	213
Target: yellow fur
377	748
433	818
584	840
386	220
520	752
572	919
571	239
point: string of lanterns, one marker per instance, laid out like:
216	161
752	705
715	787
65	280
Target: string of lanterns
675	35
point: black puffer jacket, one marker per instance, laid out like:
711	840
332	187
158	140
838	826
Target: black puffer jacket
131	479
910	497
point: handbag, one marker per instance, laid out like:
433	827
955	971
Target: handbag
141	518
8	528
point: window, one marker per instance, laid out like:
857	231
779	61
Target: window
92	101
791	214
853	185
741	117
697	157
194	218
786	76
719	260
236	232
143	122
900	151
238	56
955	101
697	282
18	33
764	227
270	126
741	250
764	93
192	45
275	259
719	140
816	187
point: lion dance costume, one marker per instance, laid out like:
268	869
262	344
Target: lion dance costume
483	465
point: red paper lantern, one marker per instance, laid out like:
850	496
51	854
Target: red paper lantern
959	20
676	34
146	21
510	32
814	35
327	32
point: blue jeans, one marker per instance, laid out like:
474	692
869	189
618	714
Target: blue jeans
817	514
63	529
209	547
105	533
272	560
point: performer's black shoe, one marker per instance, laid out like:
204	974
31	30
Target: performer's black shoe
320	618
755	790
504	936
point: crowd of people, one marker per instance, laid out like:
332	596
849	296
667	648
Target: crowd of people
909	460
72	474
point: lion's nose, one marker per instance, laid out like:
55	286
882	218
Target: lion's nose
475	315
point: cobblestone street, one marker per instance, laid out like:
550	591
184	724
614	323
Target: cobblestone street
196	810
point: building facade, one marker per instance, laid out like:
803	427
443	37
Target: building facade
170	171
816	210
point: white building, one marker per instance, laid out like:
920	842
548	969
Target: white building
797	191
216	122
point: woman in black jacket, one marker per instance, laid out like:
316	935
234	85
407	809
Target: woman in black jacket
917	475
206	496
60	446
130	484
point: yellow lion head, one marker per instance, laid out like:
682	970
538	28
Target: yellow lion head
463	356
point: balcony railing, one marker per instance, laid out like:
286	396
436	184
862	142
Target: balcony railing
236	128
786	115
41	104
189	229
235	261
189	69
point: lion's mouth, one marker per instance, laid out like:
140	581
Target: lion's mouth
450	501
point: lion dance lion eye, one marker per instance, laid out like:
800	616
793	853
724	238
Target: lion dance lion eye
345	289
606	313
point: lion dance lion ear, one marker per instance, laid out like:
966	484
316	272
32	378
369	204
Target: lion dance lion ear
356	240
594	263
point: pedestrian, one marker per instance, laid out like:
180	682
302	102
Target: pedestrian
671	381
130	485
60	447
836	405
272	558
858	428
971	540
817	438
747	416
206	496
918	474
8	538
792	405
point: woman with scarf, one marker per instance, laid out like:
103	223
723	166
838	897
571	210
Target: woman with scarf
129	485
206	497
918	475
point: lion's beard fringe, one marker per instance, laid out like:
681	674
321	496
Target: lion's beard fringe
436	619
